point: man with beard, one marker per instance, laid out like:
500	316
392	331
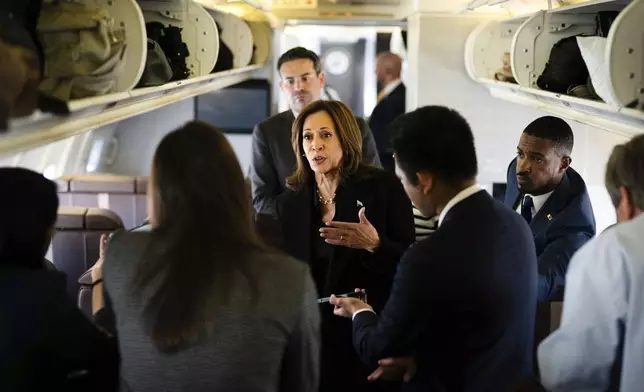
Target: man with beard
553	199
273	158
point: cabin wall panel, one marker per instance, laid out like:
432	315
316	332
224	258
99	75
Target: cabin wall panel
138	137
437	76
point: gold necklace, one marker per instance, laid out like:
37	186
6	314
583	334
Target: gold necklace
325	201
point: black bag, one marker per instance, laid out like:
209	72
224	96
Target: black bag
565	67
157	68
225	58
176	51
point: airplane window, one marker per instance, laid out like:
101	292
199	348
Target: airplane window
95	156
50	172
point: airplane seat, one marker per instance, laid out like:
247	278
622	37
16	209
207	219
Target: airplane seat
125	195
76	245
547	321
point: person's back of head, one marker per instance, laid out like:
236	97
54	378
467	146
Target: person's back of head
435	155
625	178
28	211
204	233
388	67
435	139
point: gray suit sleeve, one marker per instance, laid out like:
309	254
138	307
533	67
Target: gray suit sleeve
369	150
264	180
301	362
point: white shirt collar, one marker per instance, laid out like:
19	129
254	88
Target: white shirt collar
460	196
391	86
537	202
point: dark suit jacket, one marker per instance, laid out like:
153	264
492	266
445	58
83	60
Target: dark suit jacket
45	338
562	226
387	208
390	212
274	158
385	112
462	302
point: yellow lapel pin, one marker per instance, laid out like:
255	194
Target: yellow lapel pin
549	217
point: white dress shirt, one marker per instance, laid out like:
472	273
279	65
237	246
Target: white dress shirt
460	196
391	86
602	323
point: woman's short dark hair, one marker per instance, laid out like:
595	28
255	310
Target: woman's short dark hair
348	133
28	211
625	168
204	239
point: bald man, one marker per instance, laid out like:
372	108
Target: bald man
391	104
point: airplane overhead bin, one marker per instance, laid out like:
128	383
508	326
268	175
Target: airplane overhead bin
198	30
140	85
236	34
611	96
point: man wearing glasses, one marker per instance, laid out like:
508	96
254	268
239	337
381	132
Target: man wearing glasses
273	158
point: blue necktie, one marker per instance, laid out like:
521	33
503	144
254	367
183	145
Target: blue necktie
526	208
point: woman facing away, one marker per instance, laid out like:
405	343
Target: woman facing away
350	222
200	304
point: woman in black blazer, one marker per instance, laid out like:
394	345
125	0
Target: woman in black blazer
350	222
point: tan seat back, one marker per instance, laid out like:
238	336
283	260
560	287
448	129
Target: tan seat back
125	195
76	245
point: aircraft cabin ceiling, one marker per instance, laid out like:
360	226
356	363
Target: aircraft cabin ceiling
280	11
521	33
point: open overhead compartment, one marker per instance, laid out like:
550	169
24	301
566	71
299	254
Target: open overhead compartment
236	35
611	96
127	13
91	113
198	30
245	28
131	97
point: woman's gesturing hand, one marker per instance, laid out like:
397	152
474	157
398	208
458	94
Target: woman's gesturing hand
360	235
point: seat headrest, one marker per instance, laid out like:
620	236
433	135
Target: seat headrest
97	183
142	185
87	218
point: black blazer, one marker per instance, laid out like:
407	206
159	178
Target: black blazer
562	226
45	340
462	302
387	208
274	159
385	112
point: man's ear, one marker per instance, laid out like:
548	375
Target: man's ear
626	209
565	163
425	182
322	79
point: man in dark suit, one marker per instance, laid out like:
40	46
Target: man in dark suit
462	300
391	104
552	197
273	156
